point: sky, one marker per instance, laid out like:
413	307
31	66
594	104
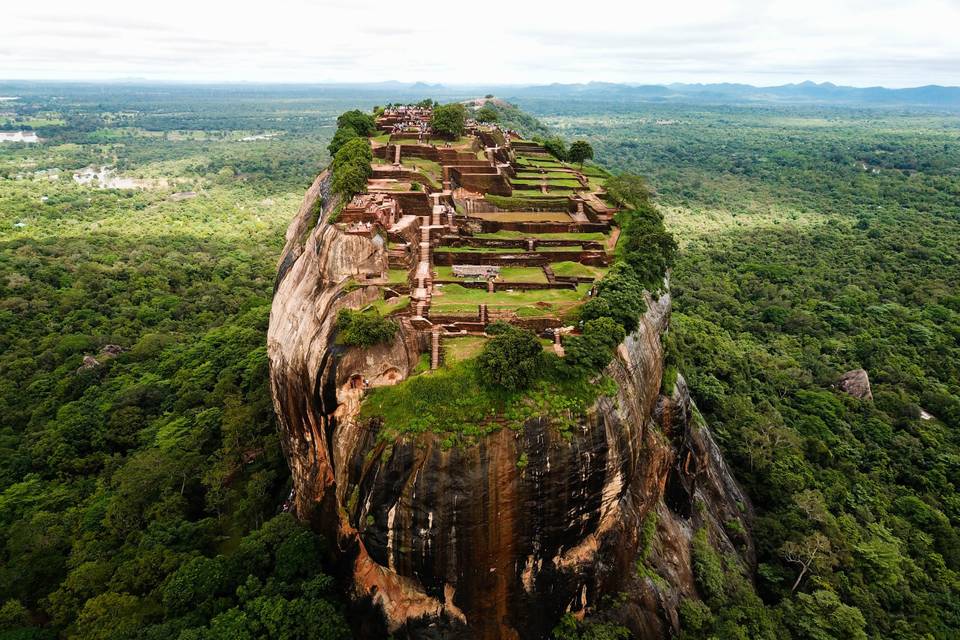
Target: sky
764	42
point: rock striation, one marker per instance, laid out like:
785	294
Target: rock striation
466	542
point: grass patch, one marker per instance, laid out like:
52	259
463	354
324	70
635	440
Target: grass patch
432	170
550	175
524	216
450	249
518	235
463	348
393	305
522	274
453	298
455	403
575	269
398	276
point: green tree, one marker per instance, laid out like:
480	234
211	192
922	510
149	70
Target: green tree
821	616
580	151
449	120
351	168
629	189
593	349
340	138
362	123
363	328
486	113
512	360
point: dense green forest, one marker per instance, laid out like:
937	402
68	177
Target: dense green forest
815	241
141	491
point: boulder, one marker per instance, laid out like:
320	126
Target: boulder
856	383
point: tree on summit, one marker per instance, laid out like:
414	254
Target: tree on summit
449	120
362	123
580	151
486	114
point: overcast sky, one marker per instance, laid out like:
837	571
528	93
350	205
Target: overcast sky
858	42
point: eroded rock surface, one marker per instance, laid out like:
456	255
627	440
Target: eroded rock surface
856	383
464	542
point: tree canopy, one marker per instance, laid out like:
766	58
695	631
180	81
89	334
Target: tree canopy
449	120
580	151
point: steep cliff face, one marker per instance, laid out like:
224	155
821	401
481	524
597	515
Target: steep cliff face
464	542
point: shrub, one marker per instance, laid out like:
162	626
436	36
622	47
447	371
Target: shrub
340	138
590	352
512	359
620	297
354	152
556	147
363	329
351	168
499	327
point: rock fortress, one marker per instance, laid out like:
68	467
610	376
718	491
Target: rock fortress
453	510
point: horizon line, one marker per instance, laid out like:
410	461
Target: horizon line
453	85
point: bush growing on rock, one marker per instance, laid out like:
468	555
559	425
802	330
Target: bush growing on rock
513	359
362	123
340	138
590	352
351	168
363	329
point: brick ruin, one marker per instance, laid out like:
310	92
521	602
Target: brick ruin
488	217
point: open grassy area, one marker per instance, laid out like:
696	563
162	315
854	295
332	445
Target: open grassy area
539	201
449	249
549	175
429	168
453	298
454	402
393	305
462	348
533	194
525	216
575	269
398	276
522	274
514	235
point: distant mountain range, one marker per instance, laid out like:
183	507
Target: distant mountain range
930	96
807	92
934	96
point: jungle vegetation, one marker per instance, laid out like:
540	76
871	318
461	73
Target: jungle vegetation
141	494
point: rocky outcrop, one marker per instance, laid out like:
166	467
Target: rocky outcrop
465	542
856	383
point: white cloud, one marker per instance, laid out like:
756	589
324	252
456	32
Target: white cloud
858	42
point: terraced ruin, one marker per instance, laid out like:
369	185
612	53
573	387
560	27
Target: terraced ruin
484	228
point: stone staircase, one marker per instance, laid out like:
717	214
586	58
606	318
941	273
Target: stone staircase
435	350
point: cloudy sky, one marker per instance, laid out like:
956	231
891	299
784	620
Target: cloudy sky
858	42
